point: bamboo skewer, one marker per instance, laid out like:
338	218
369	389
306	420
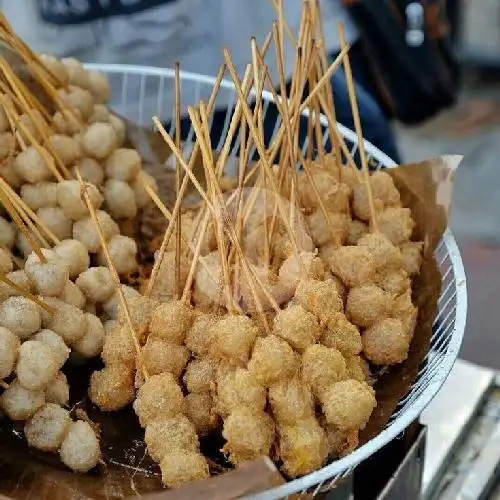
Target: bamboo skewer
177	114
27	294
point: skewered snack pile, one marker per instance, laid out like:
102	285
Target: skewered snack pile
269	303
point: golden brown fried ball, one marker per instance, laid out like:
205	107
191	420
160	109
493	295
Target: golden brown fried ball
341	443
141	311
272	360
249	434
198	337
393	281
297	326
338	198
357	368
112	388
361	204
303	447
180	467
309	266
160	356
291	400
411	252
238	388
333	231
159	397
348	404
397	224
119	346
405	311
322	366
356	230
200	409
341	334
165	435
233	338
199	375
353	265
319	298
171	320
164	288
386	342
384	253
367	304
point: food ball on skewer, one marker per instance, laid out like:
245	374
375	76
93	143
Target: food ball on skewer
112	305
367	304
411	252
96	283
68	321
36	365
321	230
160	356
31	164
91	171
92	342
69	198
84	230
21	316
39	195
394	281
119	346
406	312
99	140
46	429
355	231
6	264
100	113
384	253
99	86
123	164
67	123
19	403
358	369
180	467
199	375
119	128
20	278
341	334
73	295
80	449
386	342
59	350
396	224
7	234
58	390
319	298
291	401
200	409
66	148
353	265
7	149
9	349
198	337
123	252
112	388
120	199
142	197
49	278
309	266
140	309
170	321
56	68
55	219
75	255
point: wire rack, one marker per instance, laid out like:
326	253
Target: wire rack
140	92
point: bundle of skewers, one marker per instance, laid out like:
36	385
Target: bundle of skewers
268	303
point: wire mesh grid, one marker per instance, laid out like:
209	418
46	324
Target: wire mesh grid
141	92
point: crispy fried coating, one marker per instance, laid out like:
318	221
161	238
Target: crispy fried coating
348	404
353	265
341	443
160	356
357	368
199	375
397	224
319	298
171	320
164	287
367	304
291	400
291	270
249	434
119	346
297	326
393	281
386	342
405	311
355	231
341	334
112	388
198	337
141	310
180	467
272	360
323	232
411	252
200	409
303	447
384	253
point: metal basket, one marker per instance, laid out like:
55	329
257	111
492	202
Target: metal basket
138	93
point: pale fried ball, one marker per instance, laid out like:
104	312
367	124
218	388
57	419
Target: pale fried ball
160	356
353	265
309	266
180	467
396	224
99	86
249	434
272	360
9	349
58	390
36	365
342	335
97	283
78	98
100	113
165	435
394	281
7	170
92	342
319	298
113	304
119	346
68	321
198	337
55	67
303	447
31	165
297	326
48	278
120	199
77	74
46	429
7	233
355	231
384	253
75	254
6	264
91	171
66	148
19	403
171	321
199	375
348	404
40	195
70	199
21	316
123	164
142	197
20	278
412	256
123	252
367	304
119	128
239	388
66	122
59	350
323	231
57	221
361	204
112	388
99	140
80	448
291	400
384	189
322	366
386	342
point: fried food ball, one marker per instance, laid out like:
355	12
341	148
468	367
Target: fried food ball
48	278
9	349
272	360
233	338
348	404
91	171
166	435
321	230
73	295
164	288
7	234
355	231
142	197
341	334
141	311
309	267
92	342
411	252
198	337
36	365
80	448
322	366
120	199
249	434
75	255
319	298
112	306
337	200
396	224
58	390
199	375
123	164
302	446
56	220
119	128
367	304
384	253
19	403
31	166
291	401
357	368
6	264
99	140
161	356
96	283
46	429
70	199
112	388
200	409
99	86
77	74
68	321
100	113
159	397
406	312
171	321
353	265
66	148
180	467
40	195
67	123
20	278
85	231
21	316
55	67
119	346
59	350
386	342
341	443
394	281
23	245
297	326
123	252
78	98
